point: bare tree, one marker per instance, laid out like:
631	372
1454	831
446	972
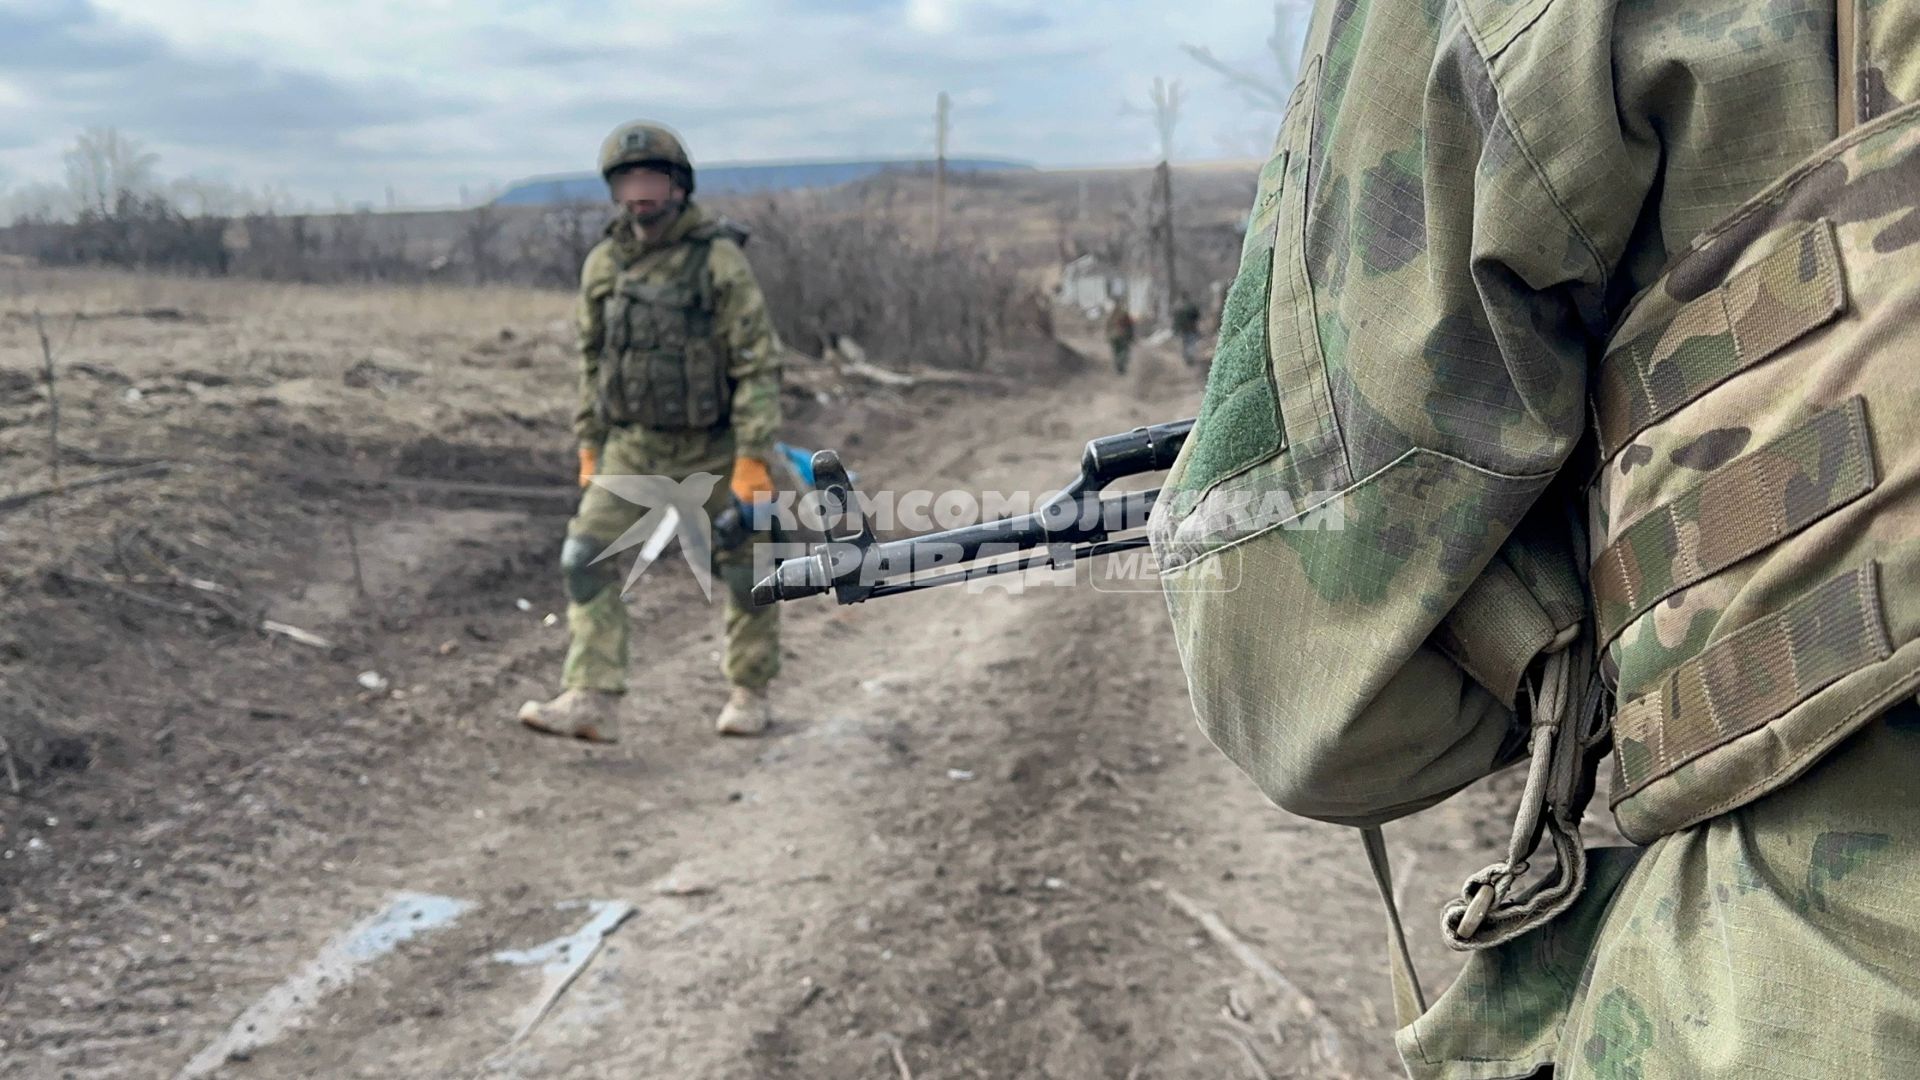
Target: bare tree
104	165
555	251
351	245
942	124
1166	97
202	197
477	238
833	267
38	202
1263	90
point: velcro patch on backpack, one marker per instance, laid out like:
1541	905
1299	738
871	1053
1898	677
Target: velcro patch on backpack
1793	291
1735	511
1749	678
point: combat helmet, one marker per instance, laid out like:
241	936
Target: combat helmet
643	142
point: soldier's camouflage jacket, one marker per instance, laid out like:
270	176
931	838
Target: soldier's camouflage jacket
1455	268
748	350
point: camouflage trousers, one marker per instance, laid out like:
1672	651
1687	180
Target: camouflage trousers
1122	349
597	655
1779	940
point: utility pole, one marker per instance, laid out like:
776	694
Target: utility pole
1167	97
942	114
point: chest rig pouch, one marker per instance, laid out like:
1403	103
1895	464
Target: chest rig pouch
663	365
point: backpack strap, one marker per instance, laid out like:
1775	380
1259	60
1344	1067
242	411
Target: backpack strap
1569	736
718	227
1846	40
703	237
700	269
1409	1002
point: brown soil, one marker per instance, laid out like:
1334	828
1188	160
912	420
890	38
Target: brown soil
949	859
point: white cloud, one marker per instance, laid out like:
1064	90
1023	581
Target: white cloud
433	94
933	16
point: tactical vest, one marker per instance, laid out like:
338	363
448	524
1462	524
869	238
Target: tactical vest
1756	513
663	363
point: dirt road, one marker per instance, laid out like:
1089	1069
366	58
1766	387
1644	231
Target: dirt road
962	853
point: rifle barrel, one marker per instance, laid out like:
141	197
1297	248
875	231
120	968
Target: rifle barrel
857	568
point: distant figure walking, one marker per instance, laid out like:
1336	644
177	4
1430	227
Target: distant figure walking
1186	323
1120	337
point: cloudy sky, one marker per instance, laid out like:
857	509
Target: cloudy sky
343	98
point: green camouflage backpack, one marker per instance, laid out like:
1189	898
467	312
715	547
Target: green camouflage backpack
1753	527
1744	592
1757	510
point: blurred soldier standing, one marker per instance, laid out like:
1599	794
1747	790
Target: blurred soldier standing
1186	324
679	376
1120	336
1596	317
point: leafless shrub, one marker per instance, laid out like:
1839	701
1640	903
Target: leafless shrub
856	261
479	233
134	230
830	271
552	252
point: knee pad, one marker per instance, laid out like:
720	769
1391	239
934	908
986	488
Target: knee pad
584	579
738	577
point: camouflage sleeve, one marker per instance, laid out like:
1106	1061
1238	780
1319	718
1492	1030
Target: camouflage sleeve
596	280
753	350
1401	372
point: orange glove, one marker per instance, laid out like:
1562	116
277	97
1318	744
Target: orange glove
589	464
751	481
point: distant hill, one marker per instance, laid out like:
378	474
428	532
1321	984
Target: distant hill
747	179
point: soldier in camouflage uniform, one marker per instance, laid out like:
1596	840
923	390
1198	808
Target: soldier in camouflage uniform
1120	336
679	377
1186	325
1515	263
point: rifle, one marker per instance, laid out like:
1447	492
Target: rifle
1080	521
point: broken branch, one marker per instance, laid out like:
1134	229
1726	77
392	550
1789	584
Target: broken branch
467	487
874	374
1259	91
353	549
294	633
152	468
6	755
130	594
53	401
900	1060
198	584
